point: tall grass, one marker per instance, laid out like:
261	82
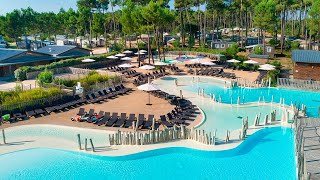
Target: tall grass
91	79
17	97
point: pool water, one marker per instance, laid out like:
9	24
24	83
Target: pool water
309	98
223	116
267	154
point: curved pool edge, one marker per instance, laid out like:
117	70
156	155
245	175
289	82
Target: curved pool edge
134	149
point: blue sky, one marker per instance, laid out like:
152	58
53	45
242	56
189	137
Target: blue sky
39	5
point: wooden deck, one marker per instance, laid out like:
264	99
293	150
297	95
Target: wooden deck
311	136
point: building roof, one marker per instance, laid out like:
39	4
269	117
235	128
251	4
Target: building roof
55	50
306	56
9	53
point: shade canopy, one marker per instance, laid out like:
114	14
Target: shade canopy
148	87
88	60
141	53
250	62
147	67
126	59
233	61
267	67
208	63
120	55
127	52
126	65
159	63
112	57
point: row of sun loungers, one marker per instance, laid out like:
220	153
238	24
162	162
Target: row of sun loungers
197	65
114	120
184	110
175	69
131	73
66	104
143	78
213	72
116	69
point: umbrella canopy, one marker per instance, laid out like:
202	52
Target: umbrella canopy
112	57
143	51
147	67
88	60
120	55
126	65
148	87
233	61
267	67
208	63
250	62
127	52
160	64
126	59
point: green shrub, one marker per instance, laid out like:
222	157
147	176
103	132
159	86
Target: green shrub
176	43
258	50
30	95
274	42
232	50
295	45
45	77
91	79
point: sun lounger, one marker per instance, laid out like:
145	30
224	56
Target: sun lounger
87	116
175	120
121	121
165	122
104	120
110	95
141	120
30	112
148	124
96	117
129	122
38	110
18	115
113	119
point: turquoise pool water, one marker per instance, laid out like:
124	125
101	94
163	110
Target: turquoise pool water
267	154
309	98
222	116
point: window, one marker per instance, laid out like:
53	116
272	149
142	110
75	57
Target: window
223	46
269	49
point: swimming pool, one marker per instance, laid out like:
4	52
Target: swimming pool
267	154
223	116
309	98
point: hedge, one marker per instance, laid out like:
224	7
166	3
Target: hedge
21	73
18	96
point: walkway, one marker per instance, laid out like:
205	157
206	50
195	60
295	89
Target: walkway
311	135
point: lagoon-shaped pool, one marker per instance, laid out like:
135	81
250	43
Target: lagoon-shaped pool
267	154
227	115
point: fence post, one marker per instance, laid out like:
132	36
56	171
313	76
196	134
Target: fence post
4	137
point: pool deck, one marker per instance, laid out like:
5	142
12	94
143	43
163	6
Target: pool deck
311	135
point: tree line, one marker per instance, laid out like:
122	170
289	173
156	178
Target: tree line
95	18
